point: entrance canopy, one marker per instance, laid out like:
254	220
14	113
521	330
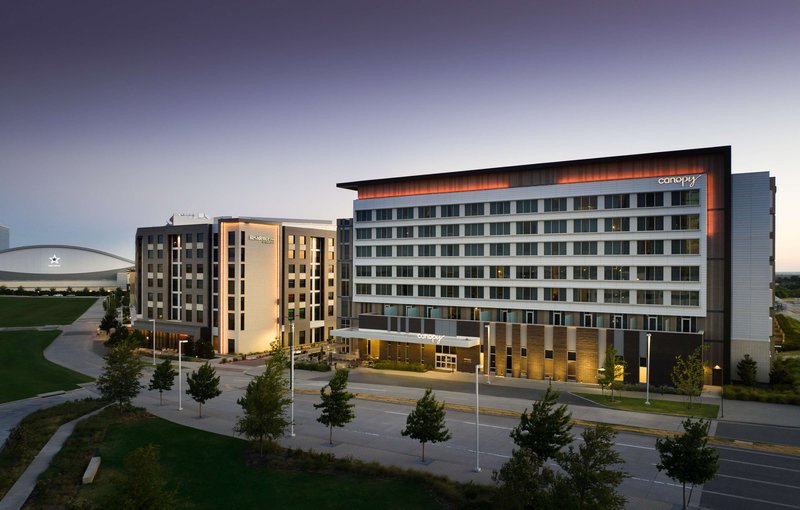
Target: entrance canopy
411	338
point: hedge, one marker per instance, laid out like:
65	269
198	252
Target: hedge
761	395
407	366
316	367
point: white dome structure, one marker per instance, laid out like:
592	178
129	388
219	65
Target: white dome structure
61	266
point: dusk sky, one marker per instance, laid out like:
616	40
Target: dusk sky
114	115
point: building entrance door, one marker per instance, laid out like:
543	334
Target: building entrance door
446	362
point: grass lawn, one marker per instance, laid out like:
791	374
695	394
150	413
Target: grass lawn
41	311
210	471
25	371
32	434
656	406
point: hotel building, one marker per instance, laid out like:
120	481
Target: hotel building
243	283
534	270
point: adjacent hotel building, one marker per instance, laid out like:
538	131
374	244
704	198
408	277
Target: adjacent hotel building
534	270
243	283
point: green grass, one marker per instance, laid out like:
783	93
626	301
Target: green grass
656	406
32	434
791	331
209	471
26	372
41	311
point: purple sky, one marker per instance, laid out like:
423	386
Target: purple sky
260	108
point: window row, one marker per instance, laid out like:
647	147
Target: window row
579	203
615	273
586	225
644	247
617	296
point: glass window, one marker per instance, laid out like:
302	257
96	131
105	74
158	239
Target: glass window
405	232
383	251
383	232
426	231
586	203
383	214
555	227
450	291
555	204
405	290
650	273
426	250
364	289
686	222
365	215
526	272
585	225
405	251
686	247
555	248
361	251
650	297
555	272
499	249
473	292
584	272
449	250
473	229
527	293
650	247
649	223
361	233
450	230
555	294
405	271
473	271
426	290
500	208
619	201
450	271
617	273
383	289
618	224
360	271
616	296
526	227
686	197
500	229
526	206
405	213
473	250
450	211
686	298
426	271
617	247
383	271
650	199
526	249
584	248
473	210
499	293
584	295
686	274
499	272
426	211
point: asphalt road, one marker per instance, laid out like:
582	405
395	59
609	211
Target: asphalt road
750	480
759	433
385	379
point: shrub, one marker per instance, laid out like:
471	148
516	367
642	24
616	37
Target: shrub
746	370
785	371
317	367
747	393
407	366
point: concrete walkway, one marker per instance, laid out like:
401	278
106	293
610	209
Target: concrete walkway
22	489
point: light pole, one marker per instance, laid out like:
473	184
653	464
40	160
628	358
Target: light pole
180	376
477	422
487	356
722	390
647	400
154	341
292	378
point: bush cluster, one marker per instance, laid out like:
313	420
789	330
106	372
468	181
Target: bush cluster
407	366
20	291
761	395
311	365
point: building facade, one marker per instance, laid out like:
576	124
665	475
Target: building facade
243	283
535	270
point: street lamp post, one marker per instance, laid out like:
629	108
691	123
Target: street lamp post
292	378
154	341
478	368
647	399
180	376
488	355
722	390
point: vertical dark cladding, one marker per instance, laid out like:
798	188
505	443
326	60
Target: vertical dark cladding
726	346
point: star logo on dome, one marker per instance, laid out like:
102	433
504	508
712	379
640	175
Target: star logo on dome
55	261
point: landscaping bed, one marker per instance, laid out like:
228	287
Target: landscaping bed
656	406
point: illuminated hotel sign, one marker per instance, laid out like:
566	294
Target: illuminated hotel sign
433	338
262	239
683	180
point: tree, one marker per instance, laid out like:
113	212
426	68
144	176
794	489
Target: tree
163	379
590	479
144	485
614	370
119	381
337	411
109	322
687	374
686	457
264	405
524	482
426	422
746	369
546	429
203	385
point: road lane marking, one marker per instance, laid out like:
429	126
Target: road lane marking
726	495
654	481
762	465
760	481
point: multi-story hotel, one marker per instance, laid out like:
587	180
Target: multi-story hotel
242	283
534	270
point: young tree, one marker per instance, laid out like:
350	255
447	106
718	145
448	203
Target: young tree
426	422
119	381
614	370
264	405
337	411
163	379
546	429
746	369
590	479
525	483
203	385
687	374
686	457
109	322
144	485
